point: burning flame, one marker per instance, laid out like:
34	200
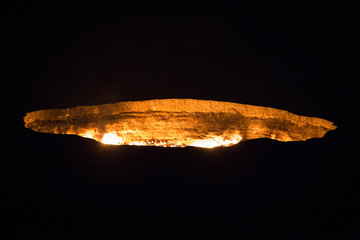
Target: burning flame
217	142
112	139
121	138
206	143
89	134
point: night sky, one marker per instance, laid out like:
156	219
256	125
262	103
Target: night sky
299	58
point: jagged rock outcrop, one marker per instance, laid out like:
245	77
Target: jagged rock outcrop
177	123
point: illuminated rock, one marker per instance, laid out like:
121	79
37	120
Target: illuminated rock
177	123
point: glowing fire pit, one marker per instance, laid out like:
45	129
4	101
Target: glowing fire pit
177	123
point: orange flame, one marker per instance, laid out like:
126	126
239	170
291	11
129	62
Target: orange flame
120	138
112	139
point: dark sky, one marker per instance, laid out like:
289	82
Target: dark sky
298	58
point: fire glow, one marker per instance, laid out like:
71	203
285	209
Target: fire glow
177	123
112	138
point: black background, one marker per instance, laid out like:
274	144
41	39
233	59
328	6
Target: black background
300	58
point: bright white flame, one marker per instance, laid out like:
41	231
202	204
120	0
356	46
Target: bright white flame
134	143
216	142
89	134
112	138
207	143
